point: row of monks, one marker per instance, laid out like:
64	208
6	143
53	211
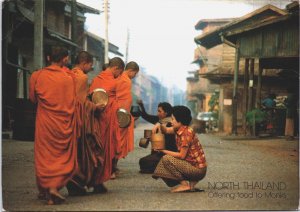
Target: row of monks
77	142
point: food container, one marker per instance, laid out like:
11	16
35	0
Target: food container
124	118
147	133
99	96
144	142
158	141
135	111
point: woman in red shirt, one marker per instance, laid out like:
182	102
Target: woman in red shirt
187	166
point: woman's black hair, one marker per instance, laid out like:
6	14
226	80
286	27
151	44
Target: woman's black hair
167	107
182	114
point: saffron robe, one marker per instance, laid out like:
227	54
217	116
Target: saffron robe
125	136
55	149
90	154
81	80
108	123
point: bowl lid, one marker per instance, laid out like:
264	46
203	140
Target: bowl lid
124	118
100	96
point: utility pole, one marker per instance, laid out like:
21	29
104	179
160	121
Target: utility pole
74	28
127	46
106	31
235	88
38	34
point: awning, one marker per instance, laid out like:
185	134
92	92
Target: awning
61	38
86	9
199	61
81	7
192	79
28	14
111	47
218	75
204	22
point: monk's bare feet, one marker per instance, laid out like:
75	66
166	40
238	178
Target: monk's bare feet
113	176
184	182
100	189
117	171
192	185
181	188
55	197
75	189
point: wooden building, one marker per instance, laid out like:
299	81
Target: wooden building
212	61
18	19
268	37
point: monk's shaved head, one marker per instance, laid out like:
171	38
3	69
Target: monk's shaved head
57	53
83	57
116	62
133	66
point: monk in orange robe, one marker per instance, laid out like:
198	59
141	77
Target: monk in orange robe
125	136
83	65
55	149
107	118
89	146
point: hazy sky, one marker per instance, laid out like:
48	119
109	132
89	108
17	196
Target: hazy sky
161	31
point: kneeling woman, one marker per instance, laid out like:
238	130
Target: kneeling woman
187	166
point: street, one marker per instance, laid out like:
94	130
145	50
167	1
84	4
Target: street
242	175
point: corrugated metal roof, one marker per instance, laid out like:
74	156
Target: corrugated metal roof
61	38
83	8
213	38
29	14
111	47
204	22
274	38
259	25
87	9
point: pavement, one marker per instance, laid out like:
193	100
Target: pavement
259	174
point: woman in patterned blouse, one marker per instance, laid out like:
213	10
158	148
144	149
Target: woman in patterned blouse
187	166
